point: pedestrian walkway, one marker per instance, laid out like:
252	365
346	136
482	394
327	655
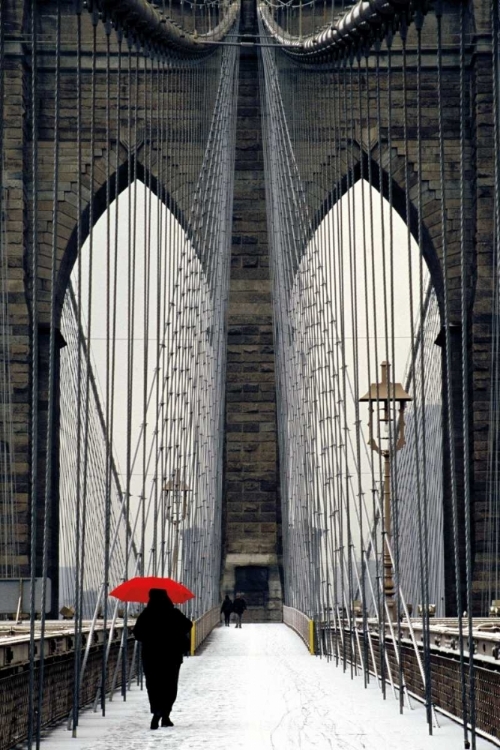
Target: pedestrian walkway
258	689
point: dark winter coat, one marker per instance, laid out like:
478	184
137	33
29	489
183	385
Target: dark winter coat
163	631
227	606
239	606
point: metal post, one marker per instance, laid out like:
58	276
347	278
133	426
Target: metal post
388	571
385	395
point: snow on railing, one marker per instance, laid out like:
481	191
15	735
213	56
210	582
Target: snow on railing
202	627
303	626
444	635
59	638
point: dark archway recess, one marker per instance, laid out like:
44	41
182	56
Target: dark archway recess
252	582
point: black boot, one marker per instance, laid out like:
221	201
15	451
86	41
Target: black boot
155	721
165	722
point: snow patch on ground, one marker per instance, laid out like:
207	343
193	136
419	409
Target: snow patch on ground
258	689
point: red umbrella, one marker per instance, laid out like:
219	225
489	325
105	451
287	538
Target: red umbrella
137	590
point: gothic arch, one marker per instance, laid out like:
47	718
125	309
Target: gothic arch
360	170
118	183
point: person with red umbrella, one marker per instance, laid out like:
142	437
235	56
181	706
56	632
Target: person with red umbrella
163	631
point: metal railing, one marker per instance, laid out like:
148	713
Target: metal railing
58	674
338	641
59	638
203	626
302	624
445	636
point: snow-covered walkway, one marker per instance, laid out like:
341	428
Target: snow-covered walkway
258	689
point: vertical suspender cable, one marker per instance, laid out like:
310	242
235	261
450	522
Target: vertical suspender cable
494	414
329	374
9	566
448	376
145	333
496	100
116	254
340	371
48	505
464	276
166	240
129	41
492	545
148	124
364	602
384	551
159	162
78	556
132	284
107	498
391	356
419	20
375	516
33	366
112	363
4	346
353	301
418	464
88	379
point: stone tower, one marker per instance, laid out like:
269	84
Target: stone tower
252	519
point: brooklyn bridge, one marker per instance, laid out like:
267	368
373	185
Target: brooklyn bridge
250	342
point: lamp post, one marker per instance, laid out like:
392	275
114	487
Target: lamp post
385	396
176	511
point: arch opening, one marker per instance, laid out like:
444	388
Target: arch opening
367	170
145	383
119	182
349	311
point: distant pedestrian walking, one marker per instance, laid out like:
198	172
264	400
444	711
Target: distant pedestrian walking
226	609
239	606
163	631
